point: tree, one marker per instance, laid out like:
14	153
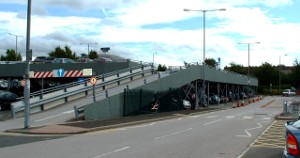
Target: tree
211	62
60	53
11	55
296	74
236	68
93	54
161	68
267	74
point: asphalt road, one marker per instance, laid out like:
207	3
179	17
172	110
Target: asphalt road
221	134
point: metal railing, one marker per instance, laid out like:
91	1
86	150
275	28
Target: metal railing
61	92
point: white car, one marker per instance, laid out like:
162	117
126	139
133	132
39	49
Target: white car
288	92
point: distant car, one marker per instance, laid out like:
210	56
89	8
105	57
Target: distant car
103	60
39	60
49	59
6	98
288	92
84	60
63	60
214	99
292	137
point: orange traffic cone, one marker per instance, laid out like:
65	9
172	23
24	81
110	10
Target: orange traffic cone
242	103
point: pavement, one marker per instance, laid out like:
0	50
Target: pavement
82	126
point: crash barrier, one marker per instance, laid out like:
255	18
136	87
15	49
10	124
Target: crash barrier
78	111
70	93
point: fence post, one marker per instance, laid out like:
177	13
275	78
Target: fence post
13	113
106	94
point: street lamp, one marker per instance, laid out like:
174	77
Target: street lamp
204	12
16	43
88	44
153	59
249	44
279	73
27	69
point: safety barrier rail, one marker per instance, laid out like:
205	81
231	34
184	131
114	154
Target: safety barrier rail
78	91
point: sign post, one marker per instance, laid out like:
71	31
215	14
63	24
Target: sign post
93	81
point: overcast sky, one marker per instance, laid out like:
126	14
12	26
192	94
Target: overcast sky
137	29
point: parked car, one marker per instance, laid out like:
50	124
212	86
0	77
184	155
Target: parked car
292	136
84	60
63	60
224	99
288	92
49	59
39	60
214	99
6	98
103	60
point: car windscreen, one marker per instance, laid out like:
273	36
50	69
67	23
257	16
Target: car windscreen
296	124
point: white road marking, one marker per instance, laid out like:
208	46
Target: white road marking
114	151
174	133
139	126
266	118
212	116
248	134
229	117
248	117
212	122
50	117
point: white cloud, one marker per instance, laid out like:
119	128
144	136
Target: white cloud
122	28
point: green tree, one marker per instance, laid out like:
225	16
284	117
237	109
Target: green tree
93	54
295	76
61	53
267	74
161	67
211	62
236	68
11	55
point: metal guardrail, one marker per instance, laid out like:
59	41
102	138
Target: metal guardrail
72	84
18	108
291	107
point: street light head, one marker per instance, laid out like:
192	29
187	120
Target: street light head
223	9
258	42
186	10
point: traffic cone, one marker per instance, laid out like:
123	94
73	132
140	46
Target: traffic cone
233	105
242	103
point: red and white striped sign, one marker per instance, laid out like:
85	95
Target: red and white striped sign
44	74
67	73
73	73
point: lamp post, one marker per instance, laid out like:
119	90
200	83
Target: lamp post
16	43
88	44
153	59
279	73
27	68
249	44
204	13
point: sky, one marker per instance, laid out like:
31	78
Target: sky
158	30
